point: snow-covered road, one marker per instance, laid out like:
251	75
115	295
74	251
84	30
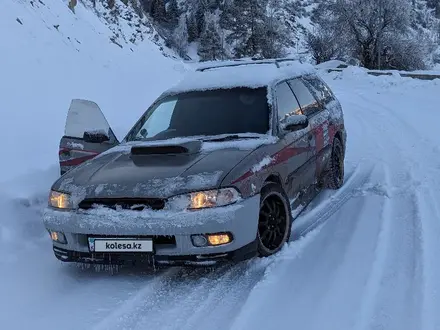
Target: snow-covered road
367	257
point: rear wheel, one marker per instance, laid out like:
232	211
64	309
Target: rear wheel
275	220
335	176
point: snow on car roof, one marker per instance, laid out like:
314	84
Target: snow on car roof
250	74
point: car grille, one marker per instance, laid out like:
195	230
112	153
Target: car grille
135	204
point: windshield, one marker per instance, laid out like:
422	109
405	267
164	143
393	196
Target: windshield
205	113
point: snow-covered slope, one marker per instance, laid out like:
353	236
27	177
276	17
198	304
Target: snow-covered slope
50	55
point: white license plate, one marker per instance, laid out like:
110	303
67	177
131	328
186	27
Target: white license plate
120	245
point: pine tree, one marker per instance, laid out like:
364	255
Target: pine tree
280	26
193	32
211	46
180	37
246	20
173	12
157	10
200	18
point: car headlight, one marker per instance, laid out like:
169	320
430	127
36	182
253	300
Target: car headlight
60	200
204	199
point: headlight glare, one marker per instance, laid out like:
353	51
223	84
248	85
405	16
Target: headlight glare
59	200
205	199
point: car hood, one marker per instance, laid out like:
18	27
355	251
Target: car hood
124	173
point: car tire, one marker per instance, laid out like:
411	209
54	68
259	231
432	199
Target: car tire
275	220
335	175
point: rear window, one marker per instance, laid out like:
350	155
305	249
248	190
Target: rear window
212	112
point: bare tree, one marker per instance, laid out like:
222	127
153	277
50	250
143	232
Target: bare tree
376	32
322	45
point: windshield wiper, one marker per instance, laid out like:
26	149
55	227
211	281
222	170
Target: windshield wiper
230	138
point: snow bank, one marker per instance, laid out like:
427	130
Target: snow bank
50	56
332	64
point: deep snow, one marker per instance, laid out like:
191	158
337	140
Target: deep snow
364	257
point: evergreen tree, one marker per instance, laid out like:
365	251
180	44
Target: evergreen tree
199	16
180	37
211	46
173	12
291	10
157	10
246	20
193	31
280	27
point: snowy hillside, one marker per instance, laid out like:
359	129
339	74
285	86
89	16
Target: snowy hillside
51	55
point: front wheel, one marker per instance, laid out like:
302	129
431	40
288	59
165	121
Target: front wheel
275	220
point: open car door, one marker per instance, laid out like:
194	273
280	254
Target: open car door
86	134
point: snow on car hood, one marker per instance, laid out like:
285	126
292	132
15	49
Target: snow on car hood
120	174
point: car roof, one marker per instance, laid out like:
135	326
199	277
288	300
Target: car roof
245	73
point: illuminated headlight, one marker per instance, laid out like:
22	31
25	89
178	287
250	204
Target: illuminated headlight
204	199
60	200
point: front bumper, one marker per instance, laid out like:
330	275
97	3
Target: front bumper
243	253
171	233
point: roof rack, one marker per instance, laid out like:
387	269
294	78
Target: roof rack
240	62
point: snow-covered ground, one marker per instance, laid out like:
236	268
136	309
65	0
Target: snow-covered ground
364	257
367	258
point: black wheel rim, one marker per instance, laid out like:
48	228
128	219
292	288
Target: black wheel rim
272	222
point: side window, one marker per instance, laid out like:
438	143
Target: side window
319	88
159	120
287	103
307	101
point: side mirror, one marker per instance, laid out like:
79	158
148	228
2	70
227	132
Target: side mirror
95	137
295	123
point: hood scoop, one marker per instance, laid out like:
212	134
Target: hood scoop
158	150
167	149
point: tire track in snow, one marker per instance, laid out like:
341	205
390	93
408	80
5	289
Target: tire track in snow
319	211
195	301
425	179
397	301
431	238
156	284
394	294
373	281
304	283
190	299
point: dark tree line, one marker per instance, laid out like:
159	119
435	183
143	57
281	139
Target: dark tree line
385	34
228	28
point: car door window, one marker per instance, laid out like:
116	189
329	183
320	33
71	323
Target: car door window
319	89
287	102
158	122
309	104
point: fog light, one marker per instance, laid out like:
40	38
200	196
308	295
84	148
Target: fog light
199	240
219	239
58	237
